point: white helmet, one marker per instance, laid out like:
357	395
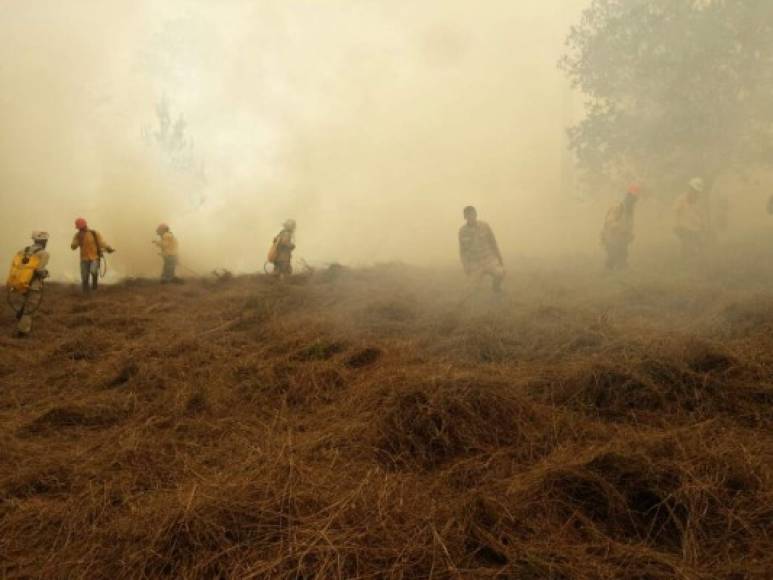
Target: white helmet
39	236
696	183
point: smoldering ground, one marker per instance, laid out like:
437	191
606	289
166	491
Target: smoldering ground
358	423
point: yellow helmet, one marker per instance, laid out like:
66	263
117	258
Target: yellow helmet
696	184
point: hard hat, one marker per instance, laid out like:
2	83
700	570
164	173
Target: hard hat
39	236
289	224
81	224
634	189
162	228
696	183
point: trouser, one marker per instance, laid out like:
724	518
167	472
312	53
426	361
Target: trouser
617	255
168	271
283	268
89	273
479	272
692	243
30	305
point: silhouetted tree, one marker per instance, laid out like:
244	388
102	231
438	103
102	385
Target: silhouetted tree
177	148
171	138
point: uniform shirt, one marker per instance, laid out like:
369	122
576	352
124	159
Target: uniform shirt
618	226
689	216
285	244
477	244
168	245
91	244
41	254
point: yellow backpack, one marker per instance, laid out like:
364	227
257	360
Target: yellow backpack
273	251
22	271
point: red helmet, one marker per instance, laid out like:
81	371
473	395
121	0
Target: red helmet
634	189
81	224
162	228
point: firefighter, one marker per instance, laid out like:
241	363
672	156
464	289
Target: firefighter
479	251
167	243
26	281
92	247
617	235
691	219
281	252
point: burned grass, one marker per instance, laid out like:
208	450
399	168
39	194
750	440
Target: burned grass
375	423
430	424
675	381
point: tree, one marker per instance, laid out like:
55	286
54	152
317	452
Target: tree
177	149
675	88
171	137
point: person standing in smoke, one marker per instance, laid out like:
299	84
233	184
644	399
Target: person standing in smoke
617	234
479	251
281	252
26	279
167	243
691	220
92	247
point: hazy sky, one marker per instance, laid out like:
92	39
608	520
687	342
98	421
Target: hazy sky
372	122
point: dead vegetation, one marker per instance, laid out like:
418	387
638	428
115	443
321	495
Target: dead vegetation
372	423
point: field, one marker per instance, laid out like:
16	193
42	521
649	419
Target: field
381	422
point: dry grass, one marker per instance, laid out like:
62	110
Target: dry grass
371	423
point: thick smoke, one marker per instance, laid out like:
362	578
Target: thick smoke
372	123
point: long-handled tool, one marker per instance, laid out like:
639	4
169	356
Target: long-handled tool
191	270
183	266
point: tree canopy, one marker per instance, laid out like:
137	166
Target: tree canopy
675	88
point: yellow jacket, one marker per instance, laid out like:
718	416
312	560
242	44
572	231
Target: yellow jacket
618	226
168	244
91	243
285	244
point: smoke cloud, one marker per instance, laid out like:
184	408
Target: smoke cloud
371	123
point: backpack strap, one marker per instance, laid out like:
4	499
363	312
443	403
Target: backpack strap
95	235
